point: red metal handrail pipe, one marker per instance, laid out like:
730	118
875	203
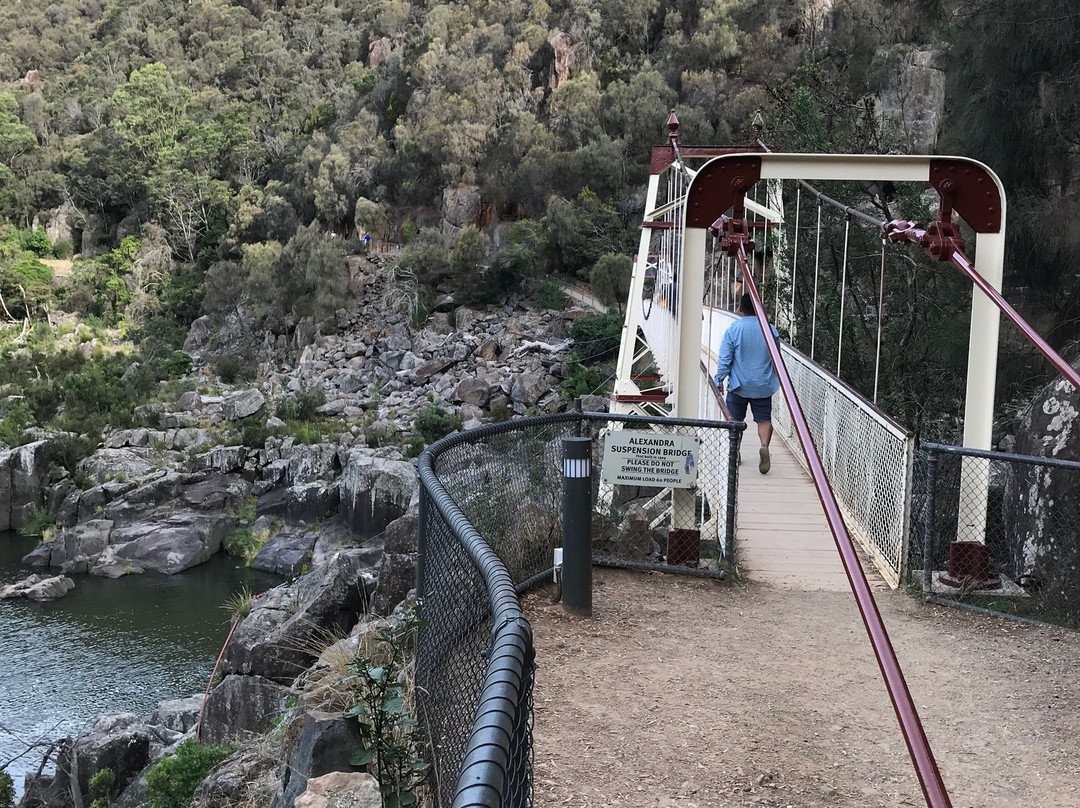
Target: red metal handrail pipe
914	736
910	231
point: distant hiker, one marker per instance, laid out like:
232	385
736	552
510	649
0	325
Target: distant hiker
745	362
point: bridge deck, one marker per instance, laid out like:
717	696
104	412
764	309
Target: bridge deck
782	533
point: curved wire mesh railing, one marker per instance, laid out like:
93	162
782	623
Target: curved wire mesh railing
867	457
490	519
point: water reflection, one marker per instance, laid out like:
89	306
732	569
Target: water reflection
109	646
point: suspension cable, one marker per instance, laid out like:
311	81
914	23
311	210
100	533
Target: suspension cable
817	266
794	266
880	310
843	297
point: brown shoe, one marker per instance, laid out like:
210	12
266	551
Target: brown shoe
764	465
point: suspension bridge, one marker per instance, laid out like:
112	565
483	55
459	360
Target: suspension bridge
838	500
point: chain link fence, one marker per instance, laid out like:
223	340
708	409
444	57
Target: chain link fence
997	531
490	520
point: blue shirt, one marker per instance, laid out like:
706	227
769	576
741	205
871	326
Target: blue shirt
745	358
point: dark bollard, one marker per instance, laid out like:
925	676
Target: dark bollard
577	526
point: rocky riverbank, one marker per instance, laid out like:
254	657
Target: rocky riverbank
328	499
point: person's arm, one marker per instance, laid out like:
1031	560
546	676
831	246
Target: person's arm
727	356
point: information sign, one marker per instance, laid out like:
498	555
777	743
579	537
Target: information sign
646	458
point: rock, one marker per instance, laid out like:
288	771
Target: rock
594	404
190	400
198	336
273	641
243	405
374	491
527	388
168	544
397	568
73	549
335	534
39	588
562	62
379	51
115	464
23	473
341	790
914	94
191	439
461	205
273	422
62	223
472	390
235	781
216	494
350	383
287	553
325	745
242	706
332	408
427	369
488	350
179	715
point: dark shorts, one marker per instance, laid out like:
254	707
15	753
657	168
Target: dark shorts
760	407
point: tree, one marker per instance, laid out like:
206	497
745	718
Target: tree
468	256
610	279
311	273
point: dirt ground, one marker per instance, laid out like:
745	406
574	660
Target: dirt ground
682	692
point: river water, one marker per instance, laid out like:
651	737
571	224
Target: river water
109	646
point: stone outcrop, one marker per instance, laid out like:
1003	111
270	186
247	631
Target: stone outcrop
326	742
171	544
915	96
374	491
241	706
38	587
1042	545
23	474
341	790
273	640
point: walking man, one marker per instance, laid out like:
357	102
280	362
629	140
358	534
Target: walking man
745	363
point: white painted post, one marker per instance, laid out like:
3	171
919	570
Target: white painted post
688	373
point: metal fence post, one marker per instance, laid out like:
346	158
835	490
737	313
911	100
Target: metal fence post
734	439
928	525
577	412
421	547
577	526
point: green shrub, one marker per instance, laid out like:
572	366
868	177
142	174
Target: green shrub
63	249
68	450
584	381
101	788
233	370
307	432
301	407
414	446
548	294
39	521
172	781
434	422
177	364
14	424
7	790
597	336
254	433
37	242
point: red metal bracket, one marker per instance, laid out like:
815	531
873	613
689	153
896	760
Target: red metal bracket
720	185
970	190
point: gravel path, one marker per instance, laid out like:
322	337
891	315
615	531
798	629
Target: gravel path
694	693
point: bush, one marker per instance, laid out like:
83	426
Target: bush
230	370
15	423
63	249
37	242
583	382
253	434
7	790
302	406
434	422
39	521
245	543
177	364
548	294
597	336
172	781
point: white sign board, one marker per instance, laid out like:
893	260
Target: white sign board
649	459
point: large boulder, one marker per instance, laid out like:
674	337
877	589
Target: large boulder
1040	502
243	405
527	388
179	715
397	568
168	544
38	587
341	790
23	473
276	640
472	390
116	464
287	553
73	549
375	491
216	494
325	744
242	779
242	706
461	205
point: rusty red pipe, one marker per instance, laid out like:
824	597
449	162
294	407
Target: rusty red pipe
918	746
951	250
